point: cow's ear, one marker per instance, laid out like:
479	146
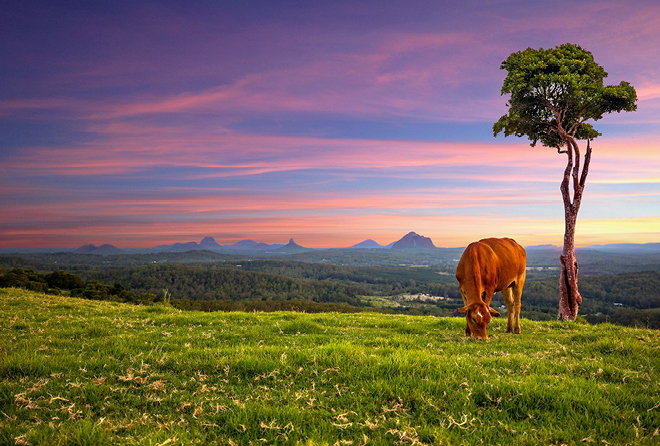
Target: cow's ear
493	312
462	310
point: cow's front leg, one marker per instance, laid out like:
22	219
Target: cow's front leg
510	308
468	332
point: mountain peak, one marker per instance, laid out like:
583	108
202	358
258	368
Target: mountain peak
104	250
413	240
292	247
86	249
367	244
209	242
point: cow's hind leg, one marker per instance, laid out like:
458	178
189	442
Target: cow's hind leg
507	295
517	293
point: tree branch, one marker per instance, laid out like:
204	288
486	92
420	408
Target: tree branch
568	206
574	128
576	170
585	169
553	109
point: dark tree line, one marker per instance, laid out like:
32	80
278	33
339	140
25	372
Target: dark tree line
231	284
228	287
60	282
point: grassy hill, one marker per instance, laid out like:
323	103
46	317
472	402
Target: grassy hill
78	372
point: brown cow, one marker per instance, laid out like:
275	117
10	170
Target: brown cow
488	266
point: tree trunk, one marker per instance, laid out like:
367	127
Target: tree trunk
569	296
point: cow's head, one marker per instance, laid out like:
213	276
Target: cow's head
478	316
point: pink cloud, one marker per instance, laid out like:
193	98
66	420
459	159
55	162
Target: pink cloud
230	155
387	74
218	156
648	91
199	202
426	74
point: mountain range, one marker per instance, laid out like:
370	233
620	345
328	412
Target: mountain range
410	241
104	250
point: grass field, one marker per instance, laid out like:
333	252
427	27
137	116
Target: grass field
77	372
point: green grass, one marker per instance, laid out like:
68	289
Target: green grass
77	372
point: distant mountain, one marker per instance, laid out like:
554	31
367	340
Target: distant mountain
251	245
543	248
206	243
536	254
103	250
413	241
291	247
367	244
209	243
646	248
178	247
86	249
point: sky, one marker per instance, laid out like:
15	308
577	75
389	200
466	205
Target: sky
139	123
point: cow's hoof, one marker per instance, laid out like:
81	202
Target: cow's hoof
517	331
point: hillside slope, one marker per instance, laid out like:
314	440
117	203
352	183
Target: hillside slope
87	372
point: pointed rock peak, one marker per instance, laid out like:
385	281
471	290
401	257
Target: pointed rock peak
209	241
292	247
413	240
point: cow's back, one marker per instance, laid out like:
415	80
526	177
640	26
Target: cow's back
492	263
475	255
511	257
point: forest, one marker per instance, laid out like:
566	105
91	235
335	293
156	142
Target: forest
272	285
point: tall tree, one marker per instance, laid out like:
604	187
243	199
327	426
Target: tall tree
554	93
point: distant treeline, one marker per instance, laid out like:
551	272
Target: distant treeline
639	290
63	283
232	284
60	282
628	298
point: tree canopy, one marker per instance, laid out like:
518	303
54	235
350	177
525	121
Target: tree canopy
554	92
